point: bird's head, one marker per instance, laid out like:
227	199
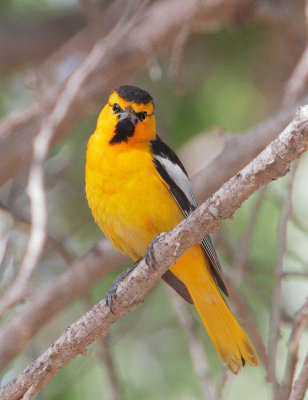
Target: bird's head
128	116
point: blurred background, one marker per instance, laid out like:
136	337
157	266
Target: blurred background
216	69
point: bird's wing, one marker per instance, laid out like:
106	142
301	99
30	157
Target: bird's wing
174	174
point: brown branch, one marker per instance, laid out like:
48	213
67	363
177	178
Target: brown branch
300	324
297	81
272	163
240	256
232	155
196	349
104	354
104	357
301	384
38	206
23	43
276	309
47	303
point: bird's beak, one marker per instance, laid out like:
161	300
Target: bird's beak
125	127
129	115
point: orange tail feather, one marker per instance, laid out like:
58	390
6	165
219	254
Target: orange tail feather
229	339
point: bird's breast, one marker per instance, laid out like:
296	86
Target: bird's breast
128	199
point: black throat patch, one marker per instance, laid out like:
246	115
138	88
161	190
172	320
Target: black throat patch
123	130
134	94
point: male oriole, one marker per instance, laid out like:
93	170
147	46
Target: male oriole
137	187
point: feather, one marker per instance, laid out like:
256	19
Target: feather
174	174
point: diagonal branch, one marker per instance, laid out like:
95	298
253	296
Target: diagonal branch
300	387
83	273
272	163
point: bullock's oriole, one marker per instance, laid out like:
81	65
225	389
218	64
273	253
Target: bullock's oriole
137	187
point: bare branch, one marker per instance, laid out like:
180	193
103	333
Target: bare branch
298	79
254	141
272	163
196	350
38	207
301	384
240	259
22	43
71	285
301	322
104	356
276	310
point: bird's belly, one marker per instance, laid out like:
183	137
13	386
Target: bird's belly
133	210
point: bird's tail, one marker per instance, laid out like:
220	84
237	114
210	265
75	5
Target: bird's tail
229	339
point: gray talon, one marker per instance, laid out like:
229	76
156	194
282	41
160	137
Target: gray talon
111	292
149	258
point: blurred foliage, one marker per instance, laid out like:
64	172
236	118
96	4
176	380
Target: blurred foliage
226	79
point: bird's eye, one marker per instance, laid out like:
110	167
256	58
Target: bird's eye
142	115
116	108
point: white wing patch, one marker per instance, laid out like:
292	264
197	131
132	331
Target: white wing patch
180	179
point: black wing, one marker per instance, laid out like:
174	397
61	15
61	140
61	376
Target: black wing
174	174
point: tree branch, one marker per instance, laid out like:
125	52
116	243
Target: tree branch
276	303
301	383
85	272
272	163
232	155
300	325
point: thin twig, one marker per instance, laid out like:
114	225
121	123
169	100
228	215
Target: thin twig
276	310
105	358
240	256
56	244
104	353
177	49
301	383
196	349
300	324
298	79
38	207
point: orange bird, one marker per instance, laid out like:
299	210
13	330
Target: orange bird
137	187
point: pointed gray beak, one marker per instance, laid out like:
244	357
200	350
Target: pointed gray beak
131	116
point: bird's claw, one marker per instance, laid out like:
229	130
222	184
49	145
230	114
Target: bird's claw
149	257
111	292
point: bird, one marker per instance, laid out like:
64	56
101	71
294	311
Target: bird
137	187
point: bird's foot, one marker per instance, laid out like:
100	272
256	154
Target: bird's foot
149	257
111	292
